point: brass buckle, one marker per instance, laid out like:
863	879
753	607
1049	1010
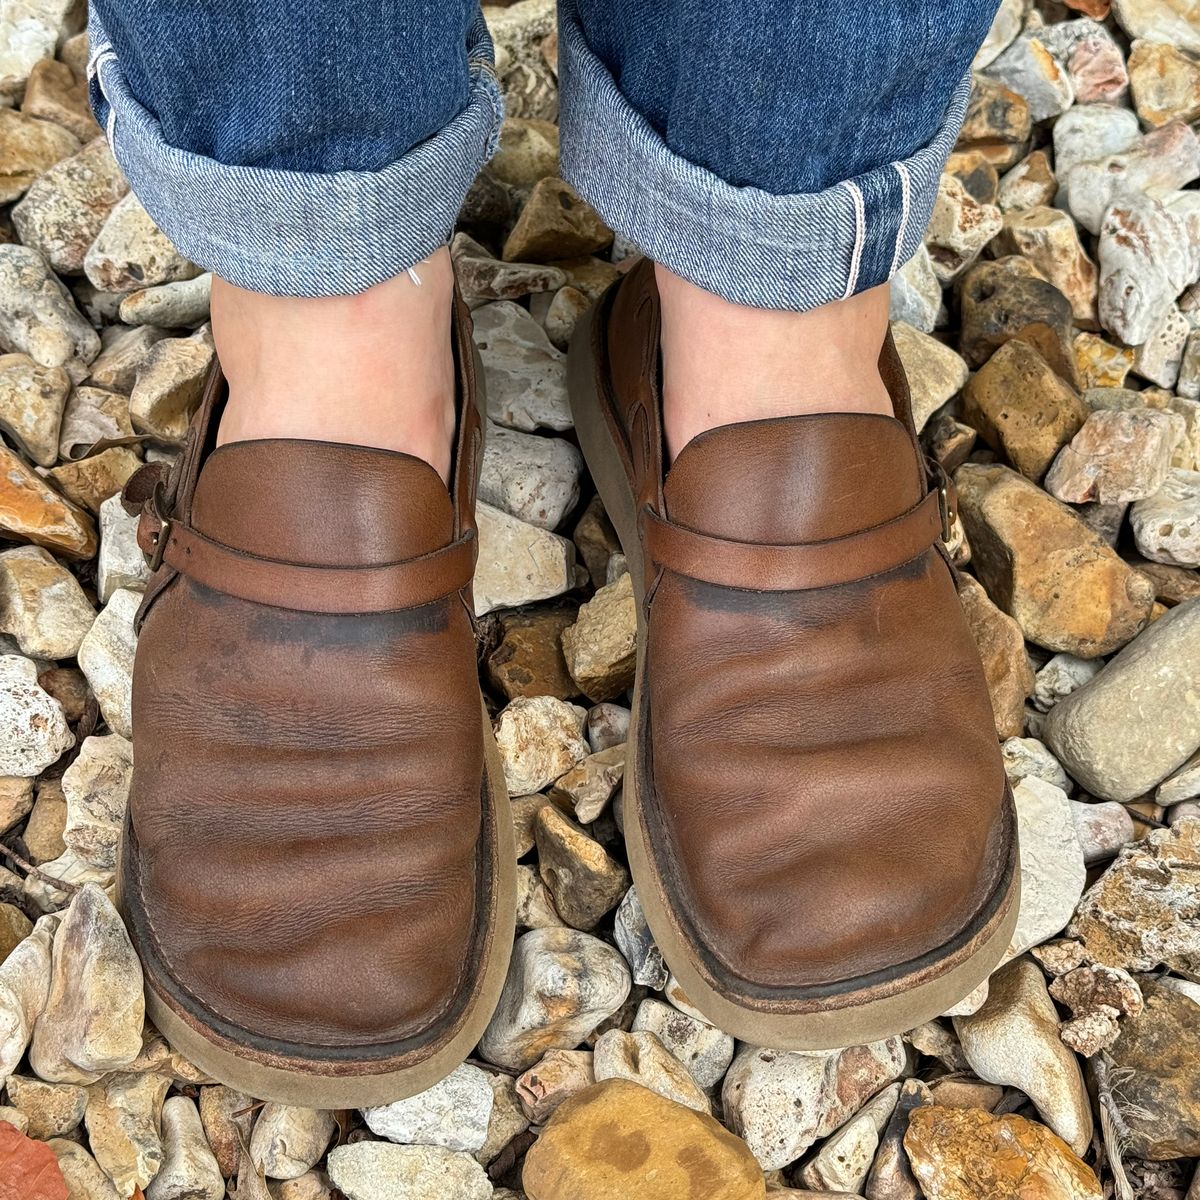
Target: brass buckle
945	505
155	505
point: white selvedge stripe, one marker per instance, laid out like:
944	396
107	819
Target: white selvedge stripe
860	235
905	200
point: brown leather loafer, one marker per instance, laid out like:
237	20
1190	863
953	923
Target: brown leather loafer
815	806
317	868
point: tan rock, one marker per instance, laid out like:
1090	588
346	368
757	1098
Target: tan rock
1049	239
585	881
844	1161
42	604
31	511
1116	456
15	927
82	1174
641	1058
1064	584
1100	363
935	372
997	122
51	1109
958	228
556	1077
55	93
130	252
535	904
601	647
965	1154
540	740
528	152
32	399
91	414
595	540
528	659
169	386
122	1118
1029	184
1165	83
116	367
518	562
91	481
289	1139
588	786
1005	663
1022	408
16	799
28	147
976	172
44	829
227	1116
616	1140
555	223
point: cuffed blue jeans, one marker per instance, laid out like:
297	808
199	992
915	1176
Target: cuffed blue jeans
781	155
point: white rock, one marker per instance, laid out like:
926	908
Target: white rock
843	1162
959	228
121	563
96	789
540	738
781	1102
1006	24
106	658
916	295
1013	1040
1166	21
1166	526
29	31
607	725
82	1174
33	730
38	316
42	604
643	1059
705	1050
1103	827
535	479
32	399
1183	785
1024	757
935	372
1062	675
383	1171
518	562
1030	70
131	252
453	1113
92	1022
288	1140
525	376
1089	132
183	304
189	1171
24	987
67	868
1160	357
123	1121
636	942
561	984
1052	868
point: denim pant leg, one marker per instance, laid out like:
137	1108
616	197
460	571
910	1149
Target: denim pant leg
301	147
782	155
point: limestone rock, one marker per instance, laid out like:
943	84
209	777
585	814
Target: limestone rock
56	93
1159	21
42	604
965	1153
997	122
383	1171
1022	408
1103	827
583	879
1052	863
1063	583
50	1109
123	1124
16	799
507	1119
607	726
958	229
1157	1058
32	399
1013	1040
535	904
1027	757
641	1058
1160	357
782	1102
528	658
65	208
92	1022
528	152
555	223
227	1116
1139	718
1028	67
563	313
34	730
82	1174
131	252
1029	184
589	785
1006	24
916	295
705	1050
1116	457
91	481
535	479
106	658
1002	650
38	316
1061	676
24	986
555	1077
28	148
116	367
184	303
844	1161
121	563
453	1113
518	562
601	647
616	1139
1048	239
1166	525
288	1139
890	1177
526	376
29	32
90	415
1165	83
935	372
1141	913
189	1170
561	984
170	385
540	739
1100	363
96	789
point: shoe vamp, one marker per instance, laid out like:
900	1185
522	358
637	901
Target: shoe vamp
826	771
306	805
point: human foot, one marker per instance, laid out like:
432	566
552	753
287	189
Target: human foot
724	362
373	369
810	710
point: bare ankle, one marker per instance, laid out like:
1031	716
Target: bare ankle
724	363
373	369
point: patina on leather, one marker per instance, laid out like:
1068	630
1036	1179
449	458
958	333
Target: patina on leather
309	852
819	769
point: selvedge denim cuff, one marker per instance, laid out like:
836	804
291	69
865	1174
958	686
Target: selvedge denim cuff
295	233
751	247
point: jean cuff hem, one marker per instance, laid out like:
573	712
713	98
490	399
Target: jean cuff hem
752	247
296	233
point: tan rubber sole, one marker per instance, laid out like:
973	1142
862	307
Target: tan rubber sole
361	1084
850	1015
